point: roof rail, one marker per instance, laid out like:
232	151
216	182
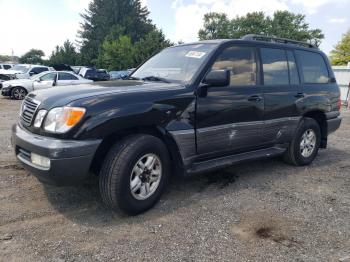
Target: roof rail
273	39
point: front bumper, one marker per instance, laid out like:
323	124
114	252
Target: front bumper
70	160
6	91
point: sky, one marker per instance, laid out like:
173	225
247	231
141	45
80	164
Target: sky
43	24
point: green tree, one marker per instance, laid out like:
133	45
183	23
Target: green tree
117	54
5	58
33	56
282	24
65	54
341	53
148	46
104	16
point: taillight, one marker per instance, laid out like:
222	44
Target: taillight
339	103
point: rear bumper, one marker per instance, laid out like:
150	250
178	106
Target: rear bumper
333	124
70	160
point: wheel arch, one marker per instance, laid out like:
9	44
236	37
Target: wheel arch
156	131
320	117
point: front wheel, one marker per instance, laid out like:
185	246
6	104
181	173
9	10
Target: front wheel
18	93
304	147
134	174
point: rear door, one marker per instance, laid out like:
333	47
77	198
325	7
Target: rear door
66	79
282	90
229	118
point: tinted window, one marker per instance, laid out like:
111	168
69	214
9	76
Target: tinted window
38	70
48	77
313	67
275	66
66	76
7	67
240	61
293	72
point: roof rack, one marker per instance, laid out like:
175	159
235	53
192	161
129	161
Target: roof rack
273	39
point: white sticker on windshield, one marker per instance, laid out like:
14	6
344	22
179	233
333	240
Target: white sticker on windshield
195	54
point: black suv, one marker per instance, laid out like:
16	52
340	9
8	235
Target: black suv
191	108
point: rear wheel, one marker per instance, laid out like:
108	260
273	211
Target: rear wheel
18	93
134	174
304	147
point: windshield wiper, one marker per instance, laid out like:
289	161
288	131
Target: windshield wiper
155	78
131	78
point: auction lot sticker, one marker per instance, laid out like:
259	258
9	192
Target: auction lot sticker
195	54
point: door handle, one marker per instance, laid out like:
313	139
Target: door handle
255	98
300	95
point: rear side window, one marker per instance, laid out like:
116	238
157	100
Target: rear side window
312	67
240	61
275	66
66	76
7	67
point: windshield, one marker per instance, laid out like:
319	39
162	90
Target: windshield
177	64
34	77
22	68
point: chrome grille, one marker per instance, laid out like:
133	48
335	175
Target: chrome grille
29	106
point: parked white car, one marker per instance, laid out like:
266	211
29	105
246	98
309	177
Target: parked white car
23	71
19	88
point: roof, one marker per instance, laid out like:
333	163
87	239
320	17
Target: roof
266	40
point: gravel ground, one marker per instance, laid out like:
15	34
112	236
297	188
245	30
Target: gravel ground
259	211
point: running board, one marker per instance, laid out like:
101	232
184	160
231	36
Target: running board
222	162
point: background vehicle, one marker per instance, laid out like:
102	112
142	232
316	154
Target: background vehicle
19	88
5	66
190	109
94	74
22	71
118	74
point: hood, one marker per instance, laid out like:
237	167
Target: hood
16	82
60	96
9	72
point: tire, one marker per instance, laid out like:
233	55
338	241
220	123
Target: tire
117	174
18	93
300	152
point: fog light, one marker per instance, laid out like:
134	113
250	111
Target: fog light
40	160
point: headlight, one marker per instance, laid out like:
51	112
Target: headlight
39	118
6	85
61	119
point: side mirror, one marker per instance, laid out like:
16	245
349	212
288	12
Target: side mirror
217	78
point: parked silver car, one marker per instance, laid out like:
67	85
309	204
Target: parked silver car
19	88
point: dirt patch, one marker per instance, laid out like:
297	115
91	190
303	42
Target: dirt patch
13	167
266	227
220	179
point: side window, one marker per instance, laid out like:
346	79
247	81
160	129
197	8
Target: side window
275	66
240	61
313	67
48	77
66	76
293	72
7	67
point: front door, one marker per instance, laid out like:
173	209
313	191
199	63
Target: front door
45	81
229	119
